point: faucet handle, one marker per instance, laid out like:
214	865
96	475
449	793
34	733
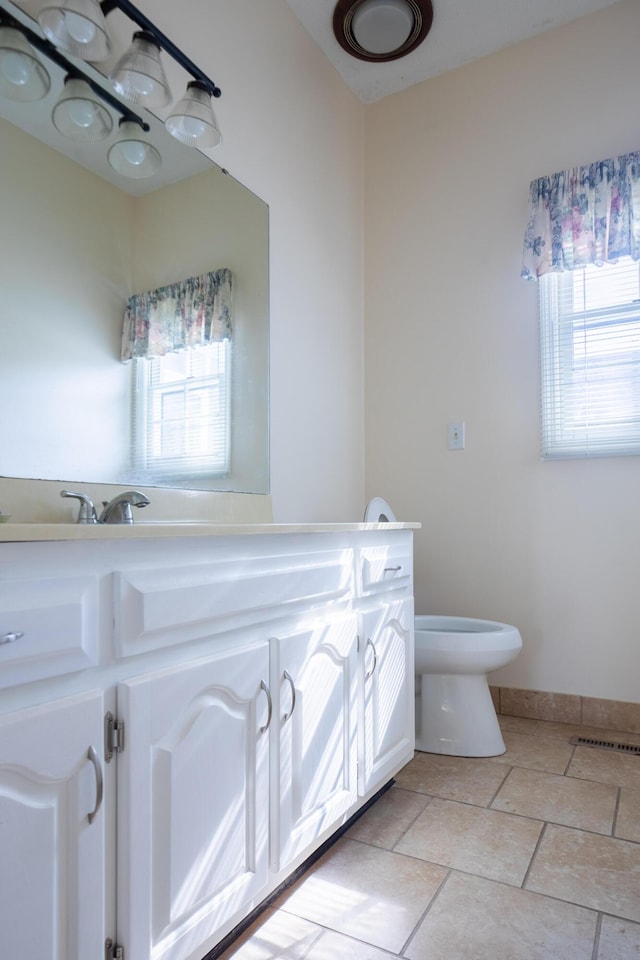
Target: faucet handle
87	512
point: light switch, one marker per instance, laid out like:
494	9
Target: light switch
455	433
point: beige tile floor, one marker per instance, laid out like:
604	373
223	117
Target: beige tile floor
534	855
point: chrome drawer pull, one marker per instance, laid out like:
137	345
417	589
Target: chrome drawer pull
11	637
264	687
368	676
393	569
287	676
93	757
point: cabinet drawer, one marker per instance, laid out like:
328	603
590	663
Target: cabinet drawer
162	607
385	568
48	627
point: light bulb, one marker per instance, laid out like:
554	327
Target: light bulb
14	68
81	112
142	86
193	127
134	151
132	155
82	30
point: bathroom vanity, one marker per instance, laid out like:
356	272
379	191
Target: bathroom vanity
187	713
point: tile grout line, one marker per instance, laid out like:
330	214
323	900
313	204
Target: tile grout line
596	939
425	912
533	855
614	824
504	780
404	832
570	761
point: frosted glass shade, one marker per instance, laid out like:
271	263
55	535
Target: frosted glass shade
77	27
22	76
79	115
132	155
382	26
139	75
192	120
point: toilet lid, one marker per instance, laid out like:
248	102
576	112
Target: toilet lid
378	511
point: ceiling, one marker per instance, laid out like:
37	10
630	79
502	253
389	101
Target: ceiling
462	31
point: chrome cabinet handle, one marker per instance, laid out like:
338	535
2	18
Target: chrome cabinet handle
393	569
93	757
368	676
264	687
11	637
287	676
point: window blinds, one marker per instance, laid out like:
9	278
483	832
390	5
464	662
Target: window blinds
181	417
590	339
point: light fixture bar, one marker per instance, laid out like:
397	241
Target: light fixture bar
52	52
163	41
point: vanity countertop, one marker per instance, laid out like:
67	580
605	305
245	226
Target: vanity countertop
24	532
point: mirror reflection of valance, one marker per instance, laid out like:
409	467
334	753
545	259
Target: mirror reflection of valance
190	313
585	215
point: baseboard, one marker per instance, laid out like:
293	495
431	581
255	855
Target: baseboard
567	708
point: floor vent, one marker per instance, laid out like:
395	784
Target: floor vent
631	748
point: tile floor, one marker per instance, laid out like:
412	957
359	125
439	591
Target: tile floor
534	855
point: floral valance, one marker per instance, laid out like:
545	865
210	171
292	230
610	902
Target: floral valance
584	215
189	313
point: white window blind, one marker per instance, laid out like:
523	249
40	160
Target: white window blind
590	342
181	415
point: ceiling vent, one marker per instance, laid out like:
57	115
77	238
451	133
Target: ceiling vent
381	30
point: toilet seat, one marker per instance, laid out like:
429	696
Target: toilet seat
378	511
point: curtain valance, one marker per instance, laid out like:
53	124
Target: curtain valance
189	313
584	215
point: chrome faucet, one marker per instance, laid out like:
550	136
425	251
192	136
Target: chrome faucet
118	510
87	512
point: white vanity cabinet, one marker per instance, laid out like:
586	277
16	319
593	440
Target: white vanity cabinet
52	830
193	800
387	723
314	736
262	682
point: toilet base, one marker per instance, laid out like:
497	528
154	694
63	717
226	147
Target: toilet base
455	716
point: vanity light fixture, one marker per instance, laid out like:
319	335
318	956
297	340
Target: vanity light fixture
22	76
192	120
132	155
139	75
78	27
79	114
381	30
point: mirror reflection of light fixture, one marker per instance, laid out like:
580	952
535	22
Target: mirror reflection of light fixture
132	155
139	75
77	27
381	30
79	114
192	120
22	76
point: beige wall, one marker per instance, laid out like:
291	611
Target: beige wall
451	334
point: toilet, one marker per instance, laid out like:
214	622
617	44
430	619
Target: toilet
454	709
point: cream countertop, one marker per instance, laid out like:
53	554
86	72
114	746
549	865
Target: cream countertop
25	532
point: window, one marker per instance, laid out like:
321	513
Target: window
590	339
181	413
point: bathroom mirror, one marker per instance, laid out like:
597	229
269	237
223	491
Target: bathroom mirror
76	242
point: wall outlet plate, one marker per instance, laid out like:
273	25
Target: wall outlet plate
455	434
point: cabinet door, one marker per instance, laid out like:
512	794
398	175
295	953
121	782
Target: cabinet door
315	756
52	831
387	670
193	796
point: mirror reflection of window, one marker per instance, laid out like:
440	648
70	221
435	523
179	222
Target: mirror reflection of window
181	413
